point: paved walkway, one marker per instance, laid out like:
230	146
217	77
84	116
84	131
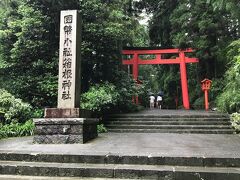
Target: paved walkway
176	145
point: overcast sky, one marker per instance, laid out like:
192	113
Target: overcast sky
144	18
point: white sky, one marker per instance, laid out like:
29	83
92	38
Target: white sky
144	18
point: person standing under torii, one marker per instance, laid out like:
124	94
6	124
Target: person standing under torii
159	100
152	100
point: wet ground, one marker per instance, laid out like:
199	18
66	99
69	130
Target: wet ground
152	144
164	144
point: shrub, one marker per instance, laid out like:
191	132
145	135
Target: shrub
229	100
101	128
14	110
16	129
198	103
38	113
235	119
100	97
127	88
115	97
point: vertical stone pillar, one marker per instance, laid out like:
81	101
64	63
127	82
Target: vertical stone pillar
69	60
63	125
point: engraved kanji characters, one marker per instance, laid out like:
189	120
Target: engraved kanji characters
67	58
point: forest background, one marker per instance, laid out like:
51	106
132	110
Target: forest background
29	43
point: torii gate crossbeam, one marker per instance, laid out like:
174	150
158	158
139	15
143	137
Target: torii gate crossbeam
181	59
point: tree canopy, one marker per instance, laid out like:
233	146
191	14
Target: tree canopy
29	38
29	43
207	26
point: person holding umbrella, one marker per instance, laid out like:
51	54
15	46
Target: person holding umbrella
159	100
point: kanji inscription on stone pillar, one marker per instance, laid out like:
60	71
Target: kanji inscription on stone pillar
69	60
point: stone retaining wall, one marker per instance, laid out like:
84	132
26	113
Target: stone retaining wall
64	130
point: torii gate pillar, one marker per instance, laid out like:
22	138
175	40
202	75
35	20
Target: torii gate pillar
135	75
135	67
184	82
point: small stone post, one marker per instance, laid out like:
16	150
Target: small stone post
63	124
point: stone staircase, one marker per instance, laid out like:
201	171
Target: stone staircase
120	166
206	123
134	156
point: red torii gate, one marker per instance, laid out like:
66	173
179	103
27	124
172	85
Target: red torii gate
135	61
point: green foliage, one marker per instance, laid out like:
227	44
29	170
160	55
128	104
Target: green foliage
26	53
101	128
16	129
235	119
13	109
38	113
29	41
127	88
117	97
209	28
230	5
229	99
195	24
100	97
216	88
199	103
160	25
14	116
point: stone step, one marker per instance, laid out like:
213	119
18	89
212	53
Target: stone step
134	126
180	131
166	119
118	171
167	116
122	159
19	177
168	122
212	123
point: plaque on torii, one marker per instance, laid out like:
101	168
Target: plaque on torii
181	59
